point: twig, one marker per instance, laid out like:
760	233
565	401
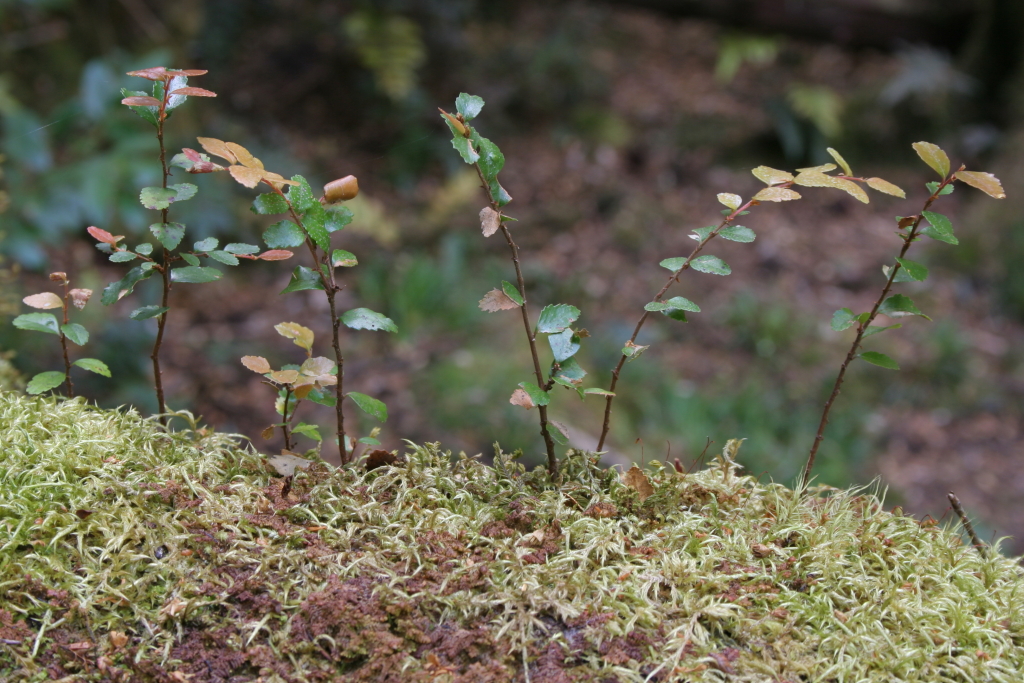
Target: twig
64	344
165	268
978	545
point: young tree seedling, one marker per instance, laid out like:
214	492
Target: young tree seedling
66	330
936	226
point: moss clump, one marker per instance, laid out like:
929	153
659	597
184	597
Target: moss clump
129	553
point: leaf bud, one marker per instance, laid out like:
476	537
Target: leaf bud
59	277
342	189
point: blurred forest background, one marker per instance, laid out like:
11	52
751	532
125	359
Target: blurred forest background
620	122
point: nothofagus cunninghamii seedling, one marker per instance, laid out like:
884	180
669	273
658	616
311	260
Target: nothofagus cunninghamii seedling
66	330
909	229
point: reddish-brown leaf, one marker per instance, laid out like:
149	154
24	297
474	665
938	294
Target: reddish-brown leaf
194	92
154	73
189	72
101	235
638	481
141	101
275	255
380	458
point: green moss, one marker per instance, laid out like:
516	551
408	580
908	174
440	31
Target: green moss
131	553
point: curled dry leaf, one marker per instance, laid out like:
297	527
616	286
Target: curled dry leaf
761	550
601	510
117	639
458	125
101	235
141	101
256	364
194	92
275	255
497	300
776	194
771	176
638	481
521	398
490	221
986	182
886	187
44	300
80	297
59	276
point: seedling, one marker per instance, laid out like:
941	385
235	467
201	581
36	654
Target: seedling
555	320
66	330
938	227
170	90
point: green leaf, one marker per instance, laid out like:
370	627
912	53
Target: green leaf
737	233
512	292
462	144
536	394
45	381
880	359
322	397
308	430
710	264
564	345
914	270
183	191
343	259
157	198
301	196
190	259
269	203
122	256
145	249
468	105
875	329
556	317
939	228
314	217
673	264
498	194
491	159
169	234
842	319
934	185
598	392
675	303
147	312
38	322
369	441
303	278
284	234
123	287
338	216
365	319
239	248
93	365
224	257
209	244
195	274
76	333
370	406
570	370
899	306
701	234
147	114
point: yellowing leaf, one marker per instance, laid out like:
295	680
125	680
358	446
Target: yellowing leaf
284	376
490	221
933	156
302	336
243	156
44	300
277	180
986	182
521	398
733	201
776	194
840	160
771	176
218	148
824	168
250	177
818	179
886	187
256	364
497	300
638	481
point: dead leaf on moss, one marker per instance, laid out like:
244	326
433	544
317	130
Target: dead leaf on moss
638	481
380	458
287	463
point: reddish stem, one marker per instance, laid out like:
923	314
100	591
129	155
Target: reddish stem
64	345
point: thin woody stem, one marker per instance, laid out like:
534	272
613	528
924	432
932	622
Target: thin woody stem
285	418
531	335
959	509
64	345
165	269
862	328
674	277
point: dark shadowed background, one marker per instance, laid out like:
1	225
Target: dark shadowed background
620	122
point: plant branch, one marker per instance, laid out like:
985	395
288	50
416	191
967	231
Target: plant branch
165	271
978	545
862	327
285	418
64	344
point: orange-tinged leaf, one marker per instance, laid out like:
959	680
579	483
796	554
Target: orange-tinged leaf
276	179
243	156
44	300
497	300
818	179
218	148
490	221
733	201
771	176
776	194
141	101
257	364
194	92
250	177
268	433
986	182
101	235
521	398
638	481
284	376
886	187
189	72
275	255
933	156
154	73
840	160
302	336
302	387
